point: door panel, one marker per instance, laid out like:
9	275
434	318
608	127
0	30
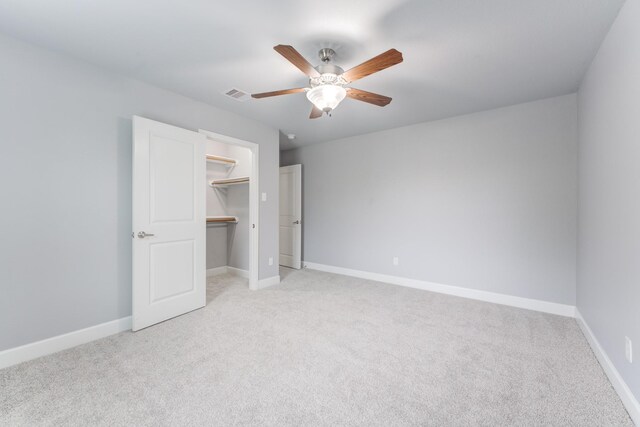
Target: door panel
172	197
291	216
173	270
169	190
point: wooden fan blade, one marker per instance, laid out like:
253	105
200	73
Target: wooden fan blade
375	64
296	59
315	113
277	92
370	97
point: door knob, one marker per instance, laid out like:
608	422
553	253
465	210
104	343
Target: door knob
296	221
142	235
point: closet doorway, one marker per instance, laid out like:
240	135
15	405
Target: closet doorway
232	206
185	184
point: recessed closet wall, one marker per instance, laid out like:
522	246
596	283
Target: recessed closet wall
228	242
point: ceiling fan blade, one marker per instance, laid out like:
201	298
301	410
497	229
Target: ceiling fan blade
315	113
296	59
278	92
375	64
370	97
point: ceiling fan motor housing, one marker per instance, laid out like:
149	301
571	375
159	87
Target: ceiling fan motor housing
329	75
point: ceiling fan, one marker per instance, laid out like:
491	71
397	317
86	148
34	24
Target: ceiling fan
328	82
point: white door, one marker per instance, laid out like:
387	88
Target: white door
169	220
290	215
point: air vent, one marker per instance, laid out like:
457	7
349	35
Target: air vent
237	94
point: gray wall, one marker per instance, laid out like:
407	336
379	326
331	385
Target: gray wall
484	201
216	245
216	205
238	205
65	182
609	193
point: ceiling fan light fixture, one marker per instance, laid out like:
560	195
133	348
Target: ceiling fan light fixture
326	97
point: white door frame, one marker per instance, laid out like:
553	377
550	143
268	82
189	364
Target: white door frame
296	257
254	201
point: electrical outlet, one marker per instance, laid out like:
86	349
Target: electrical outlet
264	197
270	260
396	261
628	349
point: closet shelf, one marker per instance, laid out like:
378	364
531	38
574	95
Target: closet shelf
219	159
222	219
229	181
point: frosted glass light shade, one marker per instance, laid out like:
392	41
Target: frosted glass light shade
326	97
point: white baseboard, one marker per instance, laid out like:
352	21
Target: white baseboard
16	355
26	352
628	399
527	303
265	283
238	272
216	271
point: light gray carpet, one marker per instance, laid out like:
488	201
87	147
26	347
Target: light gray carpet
323	349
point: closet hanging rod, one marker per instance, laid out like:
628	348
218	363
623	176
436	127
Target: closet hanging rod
219	159
222	219
229	181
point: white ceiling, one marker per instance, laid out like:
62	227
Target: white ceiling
460	56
